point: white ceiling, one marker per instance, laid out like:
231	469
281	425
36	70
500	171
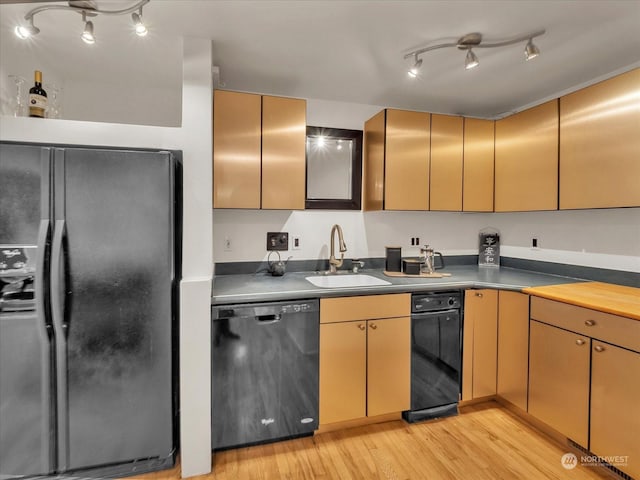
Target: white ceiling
352	51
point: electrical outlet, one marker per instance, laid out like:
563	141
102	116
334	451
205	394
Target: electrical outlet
277	241
295	244
227	244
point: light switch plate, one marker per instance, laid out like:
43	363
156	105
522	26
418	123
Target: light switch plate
277	241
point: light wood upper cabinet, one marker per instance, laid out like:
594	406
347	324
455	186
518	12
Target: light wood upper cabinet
600	144
559	380
236	150
373	160
407	160
480	344
284	127
343	371
479	141
513	347
446	163
615	412
526	160
259	158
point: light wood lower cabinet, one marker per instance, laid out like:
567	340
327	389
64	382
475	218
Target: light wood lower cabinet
343	371
480	344
513	347
615	411
365	368
388	366
365	362
559	380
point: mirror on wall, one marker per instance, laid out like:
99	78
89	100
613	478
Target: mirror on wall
334	168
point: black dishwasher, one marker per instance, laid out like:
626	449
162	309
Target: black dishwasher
436	355
264	372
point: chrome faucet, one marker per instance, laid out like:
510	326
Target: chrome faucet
334	264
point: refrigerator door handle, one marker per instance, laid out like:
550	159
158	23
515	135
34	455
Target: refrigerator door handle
60	326
58	283
40	278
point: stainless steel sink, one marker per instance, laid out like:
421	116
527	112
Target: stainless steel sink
343	281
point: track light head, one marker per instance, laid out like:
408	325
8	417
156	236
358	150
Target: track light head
471	61
87	34
413	71
25	32
141	29
531	51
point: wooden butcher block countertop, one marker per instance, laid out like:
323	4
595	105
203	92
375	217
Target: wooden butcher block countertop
605	297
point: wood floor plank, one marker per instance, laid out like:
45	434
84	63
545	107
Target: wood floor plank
485	441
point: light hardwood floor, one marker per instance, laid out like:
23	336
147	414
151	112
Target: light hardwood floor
485	441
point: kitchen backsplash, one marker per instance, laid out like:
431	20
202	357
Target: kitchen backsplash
595	238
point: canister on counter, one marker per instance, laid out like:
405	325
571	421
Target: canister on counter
394	259
411	266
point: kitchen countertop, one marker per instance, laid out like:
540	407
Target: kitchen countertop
605	297
262	287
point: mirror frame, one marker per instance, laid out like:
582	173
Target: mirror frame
355	202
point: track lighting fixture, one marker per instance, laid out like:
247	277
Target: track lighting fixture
87	34
474	40
26	31
531	51
141	29
413	71
87	8
471	61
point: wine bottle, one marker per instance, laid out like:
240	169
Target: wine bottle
37	97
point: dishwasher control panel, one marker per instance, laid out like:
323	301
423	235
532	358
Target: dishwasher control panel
435	301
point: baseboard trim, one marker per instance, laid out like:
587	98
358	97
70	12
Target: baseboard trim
358	422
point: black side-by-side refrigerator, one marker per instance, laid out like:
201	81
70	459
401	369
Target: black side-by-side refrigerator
89	261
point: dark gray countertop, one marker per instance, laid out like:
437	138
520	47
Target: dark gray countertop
261	287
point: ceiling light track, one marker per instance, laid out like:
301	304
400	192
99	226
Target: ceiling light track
474	40
86	9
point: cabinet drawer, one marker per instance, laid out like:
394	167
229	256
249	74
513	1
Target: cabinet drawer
346	309
592	323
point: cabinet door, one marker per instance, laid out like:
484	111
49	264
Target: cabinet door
343	371
446	163
526	176
479	140
284	126
406	181
236	150
600	145
615	412
559	380
480	337
373	160
513	347
389	366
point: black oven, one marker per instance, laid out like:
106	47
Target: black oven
436	355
